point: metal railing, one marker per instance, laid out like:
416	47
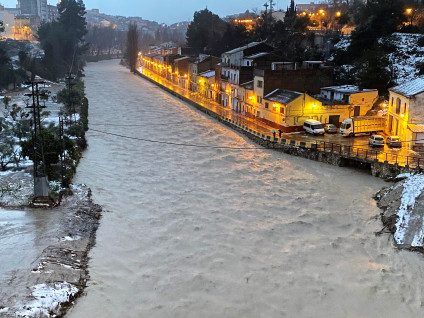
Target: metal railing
370	154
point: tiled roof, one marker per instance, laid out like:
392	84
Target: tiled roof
210	73
282	96
247	85
242	48
410	89
254	56
347	89
416	128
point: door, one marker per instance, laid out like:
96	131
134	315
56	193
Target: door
334	119
357	111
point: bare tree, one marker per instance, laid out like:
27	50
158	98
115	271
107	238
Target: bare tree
132	46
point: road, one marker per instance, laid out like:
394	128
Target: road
359	144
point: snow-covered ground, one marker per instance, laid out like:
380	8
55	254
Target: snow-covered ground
403	60
404	203
408	217
47	299
406	56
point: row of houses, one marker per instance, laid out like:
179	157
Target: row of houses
256	82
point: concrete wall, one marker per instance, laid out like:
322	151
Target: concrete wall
364	98
379	169
301	80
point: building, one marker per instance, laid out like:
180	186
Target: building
25	26
299	80
53	13
247	100
237	67
8	23
406	113
34	7
361	100
206	84
287	110
202	63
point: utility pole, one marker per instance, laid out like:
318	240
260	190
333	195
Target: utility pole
69	77
41	184
271	5
62	155
266	5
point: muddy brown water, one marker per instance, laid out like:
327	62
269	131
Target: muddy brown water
220	232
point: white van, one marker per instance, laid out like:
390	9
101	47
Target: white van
313	127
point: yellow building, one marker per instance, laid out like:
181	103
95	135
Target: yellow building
287	110
206	84
406	113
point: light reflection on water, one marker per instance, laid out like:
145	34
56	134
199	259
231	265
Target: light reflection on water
204	232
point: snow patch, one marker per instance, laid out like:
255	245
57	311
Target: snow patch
4	310
412	188
47	299
70	238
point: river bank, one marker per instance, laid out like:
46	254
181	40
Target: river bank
46	285
45	250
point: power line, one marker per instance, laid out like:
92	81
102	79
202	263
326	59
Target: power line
141	125
175	143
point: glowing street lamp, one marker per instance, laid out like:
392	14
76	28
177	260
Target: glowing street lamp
410	12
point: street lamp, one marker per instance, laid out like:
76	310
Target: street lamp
410	12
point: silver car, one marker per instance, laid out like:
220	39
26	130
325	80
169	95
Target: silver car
394	141
376	140
330	129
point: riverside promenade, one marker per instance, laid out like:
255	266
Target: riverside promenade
379	163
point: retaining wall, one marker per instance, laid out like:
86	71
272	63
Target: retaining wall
301	149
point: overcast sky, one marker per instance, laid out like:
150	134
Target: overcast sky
169	11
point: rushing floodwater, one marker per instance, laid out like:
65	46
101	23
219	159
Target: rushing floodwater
208	232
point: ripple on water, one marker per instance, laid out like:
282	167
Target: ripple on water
207	232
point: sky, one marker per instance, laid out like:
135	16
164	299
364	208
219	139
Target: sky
169	11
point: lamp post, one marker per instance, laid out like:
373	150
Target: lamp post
410	13
322	14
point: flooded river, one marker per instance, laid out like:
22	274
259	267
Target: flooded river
224	232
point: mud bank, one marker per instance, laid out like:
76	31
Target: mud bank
47	286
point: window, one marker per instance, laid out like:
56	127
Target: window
266	105
397	105
260	83
404	109
281	110
257	99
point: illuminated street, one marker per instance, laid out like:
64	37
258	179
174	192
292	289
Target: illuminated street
402	156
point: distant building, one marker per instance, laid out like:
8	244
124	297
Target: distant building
25	26
34	7
8	23
53	13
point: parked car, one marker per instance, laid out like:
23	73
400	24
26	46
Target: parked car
313	127
330	129
376	140
393	141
